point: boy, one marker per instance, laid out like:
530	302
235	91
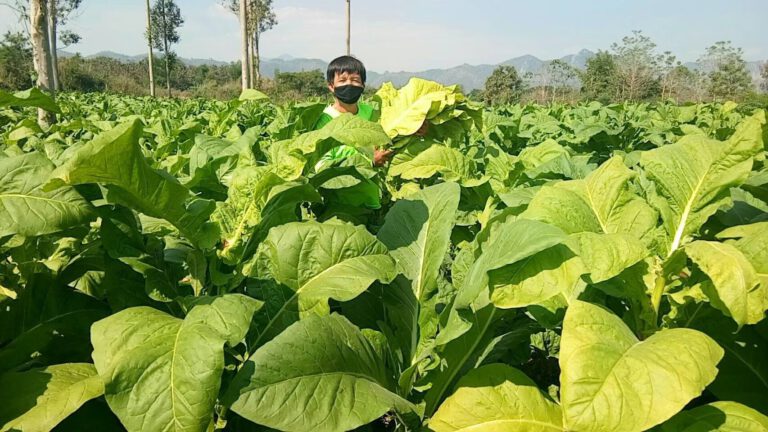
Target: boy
346	81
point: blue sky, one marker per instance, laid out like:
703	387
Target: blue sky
419	34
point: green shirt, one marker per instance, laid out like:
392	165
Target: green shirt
364	111
366	193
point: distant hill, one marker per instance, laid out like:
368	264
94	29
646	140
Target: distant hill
284	63
470	77
136	58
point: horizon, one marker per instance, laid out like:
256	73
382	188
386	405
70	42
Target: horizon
288	57
451	35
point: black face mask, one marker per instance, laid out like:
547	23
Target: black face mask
349	94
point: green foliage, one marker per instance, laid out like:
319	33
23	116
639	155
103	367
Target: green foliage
260	12
638	67
483	389
65	8
323	367
33	97
425	104
559	80
600	80
718	416
130	78
504	86
74	74
728	75
60	391
68	38
187	265
141	350
599	357
301	84
166	19
15	62
764	76
23	203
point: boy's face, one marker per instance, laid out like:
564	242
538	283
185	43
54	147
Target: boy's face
346	78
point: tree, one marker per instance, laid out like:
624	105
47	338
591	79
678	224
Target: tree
683	84
764	76
727	71
59	12
150	58
503	86
539	85
41	54
244	55
349	27
107	74
301	85
261	18
599	80
69	38
561	76
637	66
171	71
76	74
668	79
15	62
264	19
475	95
690	85
166	19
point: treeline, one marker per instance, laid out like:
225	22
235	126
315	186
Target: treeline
104	74
31	57
632	70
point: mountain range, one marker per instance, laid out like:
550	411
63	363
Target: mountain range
470	77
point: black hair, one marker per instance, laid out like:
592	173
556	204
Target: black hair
346	64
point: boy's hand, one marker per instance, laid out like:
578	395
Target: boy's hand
423	129
381	156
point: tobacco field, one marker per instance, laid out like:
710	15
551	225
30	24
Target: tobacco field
194	265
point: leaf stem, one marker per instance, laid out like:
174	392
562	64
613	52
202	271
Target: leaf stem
658	291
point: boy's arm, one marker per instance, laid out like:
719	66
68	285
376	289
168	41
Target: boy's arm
381	156
423	129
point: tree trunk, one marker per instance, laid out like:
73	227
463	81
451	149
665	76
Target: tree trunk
251	55
41	54
349	26
151	54
165	49
52	32
167	71
244	70
256	58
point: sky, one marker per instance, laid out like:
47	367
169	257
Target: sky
413	35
